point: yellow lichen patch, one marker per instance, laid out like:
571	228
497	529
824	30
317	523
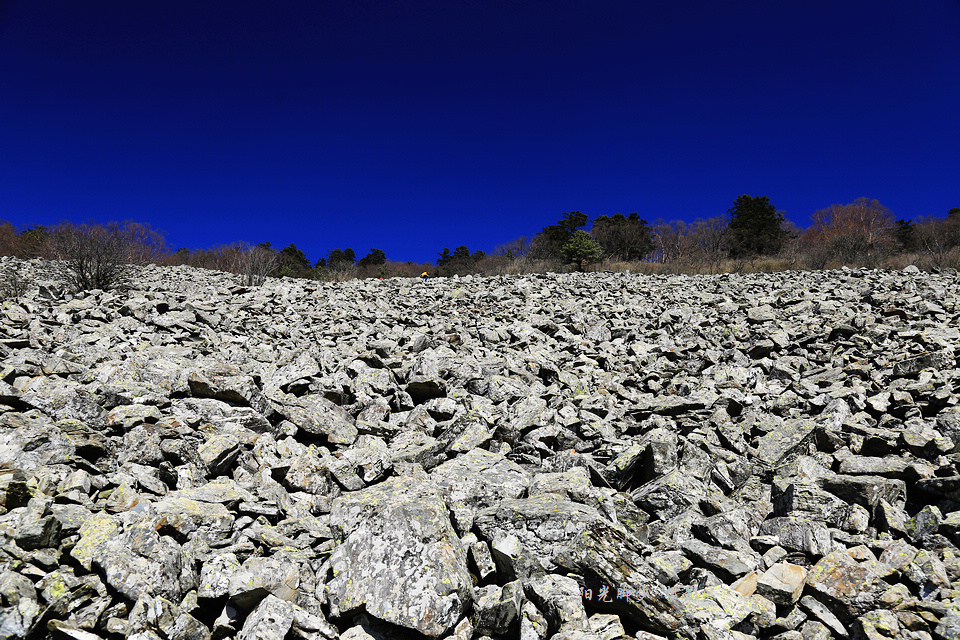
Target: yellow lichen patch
94	532
123	498
55	586
68	425
186	515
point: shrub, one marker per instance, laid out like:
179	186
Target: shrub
13	284
254	264
95	256
938	236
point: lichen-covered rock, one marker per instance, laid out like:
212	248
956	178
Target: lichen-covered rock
560	600
852	587
317	415
480	479
673	493
20	606
60	398
96	531
271	620
139	561
187	516
613	566
30	441
497	609
599	453
782	583
719	606
258	578
788	441
721	561
543	524
216	574
398	557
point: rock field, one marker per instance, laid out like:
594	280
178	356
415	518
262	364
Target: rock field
566	456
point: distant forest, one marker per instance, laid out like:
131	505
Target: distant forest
753	236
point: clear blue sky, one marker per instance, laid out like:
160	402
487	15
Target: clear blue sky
411	126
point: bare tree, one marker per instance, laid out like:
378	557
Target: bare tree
8	239
938	236
144	245
671	240
859	231
254	264
225	257
97	256
815	253
518	248
792	247
710	240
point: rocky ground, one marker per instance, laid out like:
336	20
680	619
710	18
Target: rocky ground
577	456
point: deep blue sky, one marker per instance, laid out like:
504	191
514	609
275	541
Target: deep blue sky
411	126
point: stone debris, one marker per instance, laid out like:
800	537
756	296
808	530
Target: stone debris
590	456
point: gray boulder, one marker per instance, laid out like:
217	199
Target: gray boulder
398	557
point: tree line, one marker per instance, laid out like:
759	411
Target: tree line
753	235
98	256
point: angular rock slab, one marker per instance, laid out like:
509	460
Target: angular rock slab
271	620
612	564
399	557
785	443
849	587
543	523
141	562
718	606
318	416
480	479
31	442
782	583
259	578
560	600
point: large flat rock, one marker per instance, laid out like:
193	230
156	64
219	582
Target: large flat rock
398	557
